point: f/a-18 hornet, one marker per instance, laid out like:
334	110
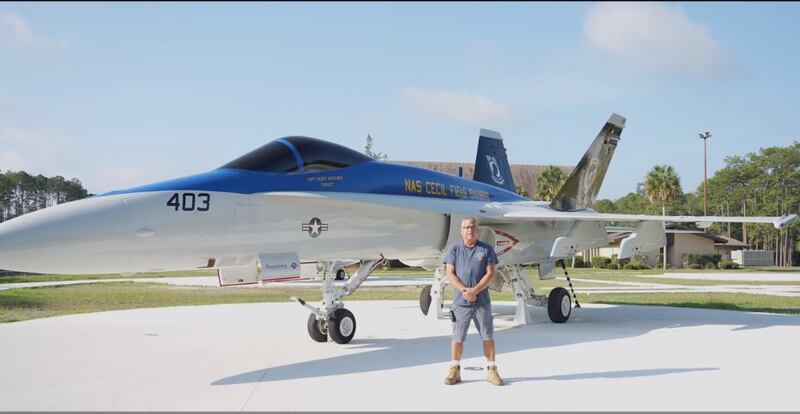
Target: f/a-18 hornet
298	200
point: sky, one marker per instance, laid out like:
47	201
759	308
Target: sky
119	95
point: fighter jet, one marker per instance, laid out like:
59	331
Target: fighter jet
298	200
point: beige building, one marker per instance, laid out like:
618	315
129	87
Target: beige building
680	241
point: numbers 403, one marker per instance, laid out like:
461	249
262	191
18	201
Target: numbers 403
190	201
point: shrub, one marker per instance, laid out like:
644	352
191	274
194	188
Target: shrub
639	262
614	263
701	260
600	262
728	264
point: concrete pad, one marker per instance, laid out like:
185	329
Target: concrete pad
258	357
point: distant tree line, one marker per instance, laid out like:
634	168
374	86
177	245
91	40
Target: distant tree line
22	193
766	183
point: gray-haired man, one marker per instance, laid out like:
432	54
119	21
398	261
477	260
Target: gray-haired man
470	269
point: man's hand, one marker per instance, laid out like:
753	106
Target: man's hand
470	294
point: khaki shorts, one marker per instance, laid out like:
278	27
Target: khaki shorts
481	314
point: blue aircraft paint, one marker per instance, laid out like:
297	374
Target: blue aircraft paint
372	177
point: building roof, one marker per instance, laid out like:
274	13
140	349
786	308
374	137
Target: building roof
731	242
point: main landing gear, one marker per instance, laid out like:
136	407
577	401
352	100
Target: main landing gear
558	302
332	319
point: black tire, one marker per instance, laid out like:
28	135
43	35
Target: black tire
559	305
340	274
316	329
342	326
425	299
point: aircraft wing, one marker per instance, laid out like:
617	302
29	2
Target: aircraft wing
538	213
523	210
430	204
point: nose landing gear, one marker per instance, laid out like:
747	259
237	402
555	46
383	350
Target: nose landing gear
332	319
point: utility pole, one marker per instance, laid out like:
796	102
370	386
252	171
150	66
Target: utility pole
705	137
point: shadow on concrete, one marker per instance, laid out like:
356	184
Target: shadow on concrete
590	324
610	374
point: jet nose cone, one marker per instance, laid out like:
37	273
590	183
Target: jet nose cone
57	239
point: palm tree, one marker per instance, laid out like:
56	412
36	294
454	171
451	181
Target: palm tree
662	184
550	182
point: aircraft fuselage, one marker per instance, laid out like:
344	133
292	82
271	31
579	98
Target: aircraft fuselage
202	220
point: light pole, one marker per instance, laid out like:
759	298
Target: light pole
705	137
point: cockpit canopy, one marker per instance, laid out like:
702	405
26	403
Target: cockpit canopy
296	155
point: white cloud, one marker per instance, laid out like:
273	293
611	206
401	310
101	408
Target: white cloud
456	106
34	152
119	177
17	136
5	107
16	34
371	118
653	37
12	160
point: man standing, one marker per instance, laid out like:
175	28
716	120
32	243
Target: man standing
470	269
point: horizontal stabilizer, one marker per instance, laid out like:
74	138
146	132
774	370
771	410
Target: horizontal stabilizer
648	236
583	235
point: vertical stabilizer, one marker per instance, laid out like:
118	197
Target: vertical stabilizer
581	188
491	163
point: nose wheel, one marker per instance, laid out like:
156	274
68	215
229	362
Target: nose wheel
317	328
342	326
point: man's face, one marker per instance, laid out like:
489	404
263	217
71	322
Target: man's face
469	231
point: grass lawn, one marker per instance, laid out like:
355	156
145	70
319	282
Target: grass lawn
729	301
33	303
57	278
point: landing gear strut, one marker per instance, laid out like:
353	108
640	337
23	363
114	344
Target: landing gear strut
332	319
558	302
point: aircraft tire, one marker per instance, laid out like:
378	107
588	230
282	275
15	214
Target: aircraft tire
559	305
315	329
342	326
340	274
425	299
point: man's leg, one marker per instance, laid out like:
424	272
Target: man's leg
487	333
454	372
460	326
488	350
457	350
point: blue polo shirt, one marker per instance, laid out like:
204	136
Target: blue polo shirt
470	266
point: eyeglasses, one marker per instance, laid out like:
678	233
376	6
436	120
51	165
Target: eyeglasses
469	227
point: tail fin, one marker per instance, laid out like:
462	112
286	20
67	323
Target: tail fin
491	163
581	188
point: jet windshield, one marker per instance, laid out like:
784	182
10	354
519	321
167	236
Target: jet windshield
298	154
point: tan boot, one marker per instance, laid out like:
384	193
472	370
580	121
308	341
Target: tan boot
492	376
453	375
